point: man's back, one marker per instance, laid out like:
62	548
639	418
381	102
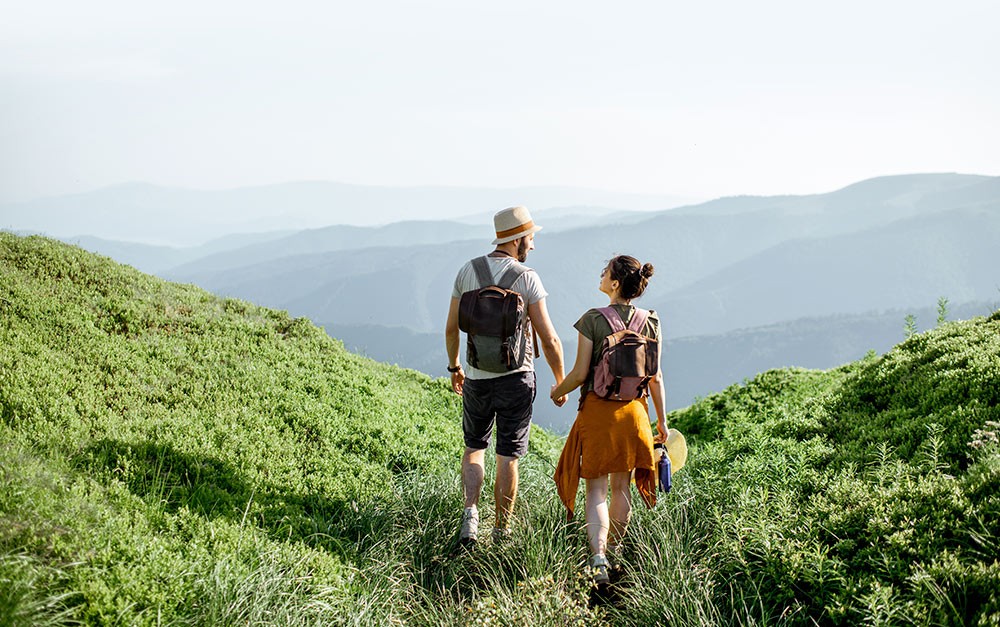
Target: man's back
528	285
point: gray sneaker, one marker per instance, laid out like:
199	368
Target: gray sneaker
470	527
501	536
599	569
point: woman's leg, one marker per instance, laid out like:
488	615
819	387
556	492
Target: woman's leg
621	506
597	514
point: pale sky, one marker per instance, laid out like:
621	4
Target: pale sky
701	99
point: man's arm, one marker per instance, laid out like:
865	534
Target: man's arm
452	342
581	368
538	313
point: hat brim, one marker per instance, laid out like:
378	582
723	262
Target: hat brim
511	238
677	449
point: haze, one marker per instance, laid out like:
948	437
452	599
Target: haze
695	99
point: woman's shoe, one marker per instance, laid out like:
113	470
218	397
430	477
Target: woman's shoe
599	569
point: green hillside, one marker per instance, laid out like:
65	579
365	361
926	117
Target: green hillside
171	457
155	437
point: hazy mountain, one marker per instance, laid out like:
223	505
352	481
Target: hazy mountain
391	286
238	250
882	199
417	278
693	366
742	284
905	264
333	239
701	365
760	261
180	217
157	259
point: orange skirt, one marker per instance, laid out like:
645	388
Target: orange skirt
607	436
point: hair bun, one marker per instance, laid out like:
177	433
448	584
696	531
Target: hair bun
646	270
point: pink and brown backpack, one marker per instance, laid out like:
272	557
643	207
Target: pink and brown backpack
629	359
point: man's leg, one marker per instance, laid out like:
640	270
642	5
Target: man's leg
514	394
505	490
472	485
477	423
473	472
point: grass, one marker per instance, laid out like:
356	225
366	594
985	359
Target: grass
173	458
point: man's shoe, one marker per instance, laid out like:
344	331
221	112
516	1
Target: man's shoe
501	536
470	527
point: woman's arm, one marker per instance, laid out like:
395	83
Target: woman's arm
656	390
581	368
657	393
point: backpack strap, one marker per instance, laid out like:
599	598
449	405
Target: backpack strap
638	320
485	276
615	320
483	273
512	274
506	282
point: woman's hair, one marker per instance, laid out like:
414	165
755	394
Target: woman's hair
631	275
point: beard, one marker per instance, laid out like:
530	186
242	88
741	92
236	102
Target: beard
522	250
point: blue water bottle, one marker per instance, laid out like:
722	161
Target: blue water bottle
663	467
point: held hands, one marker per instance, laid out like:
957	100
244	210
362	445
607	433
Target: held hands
558	400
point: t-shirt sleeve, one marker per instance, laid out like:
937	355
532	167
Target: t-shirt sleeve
587	324
533	289
653	326
461	280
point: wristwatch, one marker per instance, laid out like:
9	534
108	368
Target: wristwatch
455	369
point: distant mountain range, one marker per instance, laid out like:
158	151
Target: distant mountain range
140	212
694	366
743	284
884	244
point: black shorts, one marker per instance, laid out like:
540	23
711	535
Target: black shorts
507	400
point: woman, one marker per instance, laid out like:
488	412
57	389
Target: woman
609	439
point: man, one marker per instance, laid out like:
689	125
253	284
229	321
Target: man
502	398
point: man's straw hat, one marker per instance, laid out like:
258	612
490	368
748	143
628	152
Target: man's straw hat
512	223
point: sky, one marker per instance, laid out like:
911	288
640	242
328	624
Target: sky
697	99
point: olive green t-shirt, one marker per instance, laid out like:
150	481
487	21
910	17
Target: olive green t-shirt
593	326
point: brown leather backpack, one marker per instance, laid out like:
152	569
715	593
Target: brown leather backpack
495	319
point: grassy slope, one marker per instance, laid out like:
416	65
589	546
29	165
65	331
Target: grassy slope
155	436
866	494
169	457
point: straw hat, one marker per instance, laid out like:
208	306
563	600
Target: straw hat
677	449
512	223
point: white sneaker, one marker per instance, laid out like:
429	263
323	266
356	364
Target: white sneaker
470	526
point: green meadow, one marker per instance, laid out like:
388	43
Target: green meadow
170	457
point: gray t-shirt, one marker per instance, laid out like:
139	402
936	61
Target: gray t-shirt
528	285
